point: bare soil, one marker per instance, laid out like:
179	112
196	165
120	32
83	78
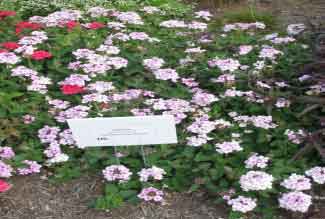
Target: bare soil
34	198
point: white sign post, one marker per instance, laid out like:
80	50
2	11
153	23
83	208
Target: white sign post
123	131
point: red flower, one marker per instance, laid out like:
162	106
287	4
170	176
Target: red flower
26	25
3	50
10	45
71	24
41	54
95	25
71	89
4	186
4	14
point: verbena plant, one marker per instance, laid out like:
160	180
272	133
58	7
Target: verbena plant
231	90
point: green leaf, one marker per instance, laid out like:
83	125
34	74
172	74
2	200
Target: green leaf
202	157
234	215
111	189
127	194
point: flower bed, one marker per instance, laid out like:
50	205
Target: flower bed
229	89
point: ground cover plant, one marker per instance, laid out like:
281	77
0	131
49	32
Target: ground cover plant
232	89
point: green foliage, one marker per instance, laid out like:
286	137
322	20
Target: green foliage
115	196
187	168
28	8
66	172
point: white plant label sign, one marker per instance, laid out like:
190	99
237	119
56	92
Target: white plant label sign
123	131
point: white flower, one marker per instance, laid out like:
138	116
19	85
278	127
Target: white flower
297	183
318	174
295	201
255	181
242	204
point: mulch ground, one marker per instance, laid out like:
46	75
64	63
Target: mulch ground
34	198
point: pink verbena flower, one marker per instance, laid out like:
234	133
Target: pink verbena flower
59	158
242	204
283	40
270	53
101	86
282	103
225	64
97	11
60	18
130	94
297	182
245	49
153	63
22	71
317	173
9	58
59	104
117	62
173	24
189	82
199	140
95	97
139	36
202	98
295	201
48	134
53	150
39	84
295	137
108	50
116	25
117	173
36	37
66	137
256	160
154	172
201	126
141	112
6	153
228	147
130	17
75	79
25	50
150	9
77	112
196	50
255	181
151	194
197	25
264	122
224	78
5	170
206	15
32	167
28	119
243	26
166	74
